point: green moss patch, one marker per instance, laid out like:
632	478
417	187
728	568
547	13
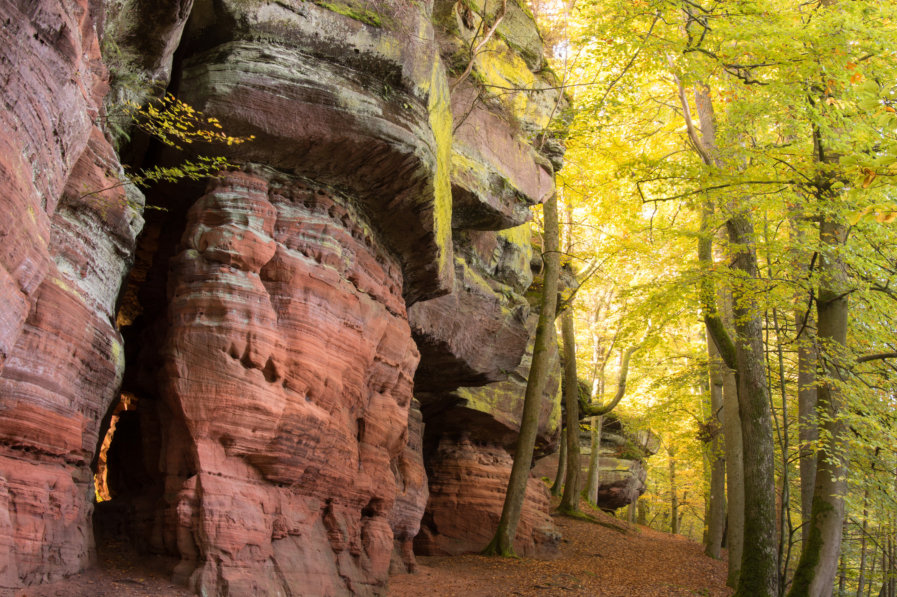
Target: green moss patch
363	15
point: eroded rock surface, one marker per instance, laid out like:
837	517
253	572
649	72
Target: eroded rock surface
622	472
472	430
269	437
66	245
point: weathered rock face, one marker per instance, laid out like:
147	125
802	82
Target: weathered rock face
474	341
276	317
622	472
64	252
472	431
467	485
290	359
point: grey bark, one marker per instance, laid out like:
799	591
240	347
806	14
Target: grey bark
570	499
759	574
715	448
818	564
863	532
594	480
562	463
674	495
503	541
808	432
734	476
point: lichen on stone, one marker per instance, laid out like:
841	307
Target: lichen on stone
354	10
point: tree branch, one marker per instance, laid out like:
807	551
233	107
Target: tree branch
877	357
476	49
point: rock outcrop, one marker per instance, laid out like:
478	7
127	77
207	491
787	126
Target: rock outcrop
302	341
622	472
65	247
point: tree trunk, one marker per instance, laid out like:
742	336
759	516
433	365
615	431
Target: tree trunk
503	541
674	496
808	432
734	476
759	574
562	463
864	529
594	480
805	325
715	448
818	564
842	578
874	560
570	499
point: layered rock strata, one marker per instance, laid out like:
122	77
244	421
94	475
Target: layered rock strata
269	436
67	238
472	430
473	370
622	472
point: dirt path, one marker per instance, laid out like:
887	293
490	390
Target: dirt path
613	559
119	572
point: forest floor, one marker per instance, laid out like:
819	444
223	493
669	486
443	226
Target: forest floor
606	558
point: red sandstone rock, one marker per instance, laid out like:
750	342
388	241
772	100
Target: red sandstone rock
277	445
62	259
496	176
365	108
467	486
412	493
471	435
290	360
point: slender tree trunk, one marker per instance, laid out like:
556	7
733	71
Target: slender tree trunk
864	530
503	541
873	557
808	432
562	463
842	577
805	326
892	573
759	574
570	499
715	447
817	568
734	476
674	495
597	413
785	523
594	479
633	507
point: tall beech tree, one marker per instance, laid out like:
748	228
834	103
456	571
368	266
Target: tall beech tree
503	541
570	499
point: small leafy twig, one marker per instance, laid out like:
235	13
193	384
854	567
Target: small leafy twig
479	46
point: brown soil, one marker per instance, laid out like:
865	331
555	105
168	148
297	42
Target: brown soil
120	572
606	558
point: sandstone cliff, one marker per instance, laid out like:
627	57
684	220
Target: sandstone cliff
287	353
